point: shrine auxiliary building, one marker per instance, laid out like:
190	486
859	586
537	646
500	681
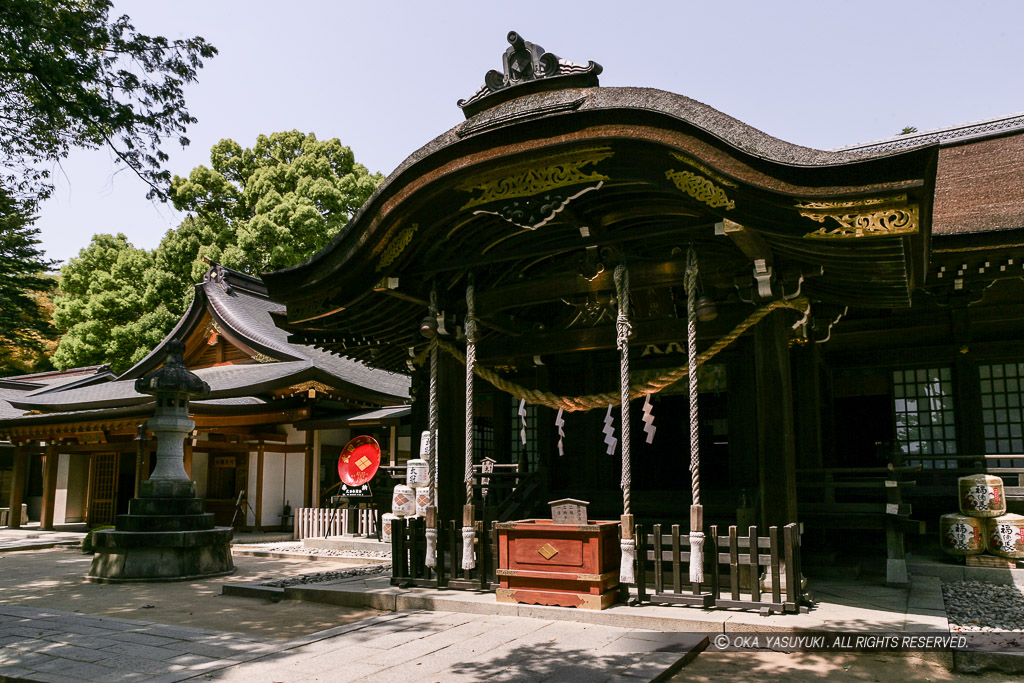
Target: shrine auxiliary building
277	417
885	279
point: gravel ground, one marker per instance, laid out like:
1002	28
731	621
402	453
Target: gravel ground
976	606
324	577
297	547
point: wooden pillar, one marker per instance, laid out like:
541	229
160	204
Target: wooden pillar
807	405
188	457
140	447
49	486
775	438
89	489
318	444
259	485
312	476
451	438
17	488
741	408
393	446
966	385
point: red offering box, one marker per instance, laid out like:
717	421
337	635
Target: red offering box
542	563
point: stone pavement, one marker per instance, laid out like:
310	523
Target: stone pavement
847	605
54	645
31	537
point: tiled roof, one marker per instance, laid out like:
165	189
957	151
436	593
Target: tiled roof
949	135
240	305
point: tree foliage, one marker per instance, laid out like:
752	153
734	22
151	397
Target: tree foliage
113	306
255	210
71	77
265	207
24	281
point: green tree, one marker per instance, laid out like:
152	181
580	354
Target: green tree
71	77
112	305
24	280
265	207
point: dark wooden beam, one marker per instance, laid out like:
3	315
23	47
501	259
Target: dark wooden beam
661	331
49	487
776	440
749	242
548	251
17	488
567	285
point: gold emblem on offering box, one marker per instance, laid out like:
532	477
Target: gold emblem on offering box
547	551
363	462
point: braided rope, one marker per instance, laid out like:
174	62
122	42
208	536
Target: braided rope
470	368
691	361
637	389
432	462
623	328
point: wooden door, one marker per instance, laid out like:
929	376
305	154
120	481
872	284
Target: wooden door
103	489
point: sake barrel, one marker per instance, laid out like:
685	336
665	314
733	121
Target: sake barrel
981	495
385	524
1005	535
416	472
403	501
961	534
422	500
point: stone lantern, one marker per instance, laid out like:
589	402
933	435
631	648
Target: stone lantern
166	535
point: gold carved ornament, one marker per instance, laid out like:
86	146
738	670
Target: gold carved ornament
718	178
397	246
871	217
701	189
529	179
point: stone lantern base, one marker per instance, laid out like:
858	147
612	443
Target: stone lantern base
161	539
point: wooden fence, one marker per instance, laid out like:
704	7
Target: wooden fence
667	556
408	554
323	522
664	559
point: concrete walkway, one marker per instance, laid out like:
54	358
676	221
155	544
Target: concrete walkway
54	645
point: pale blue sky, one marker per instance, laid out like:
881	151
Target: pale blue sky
384	76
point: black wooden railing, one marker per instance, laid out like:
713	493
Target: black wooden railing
664	560
732	569
408	555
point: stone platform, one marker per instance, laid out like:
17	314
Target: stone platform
161	539
346	543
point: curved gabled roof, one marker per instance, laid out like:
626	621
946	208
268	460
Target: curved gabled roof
242	309
536	184
768	159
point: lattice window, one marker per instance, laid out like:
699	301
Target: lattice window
1002	401
923	404
103	490
483	438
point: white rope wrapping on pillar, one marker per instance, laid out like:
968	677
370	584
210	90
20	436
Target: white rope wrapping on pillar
623	328
468	556
430	560
696	537
696	557
468	532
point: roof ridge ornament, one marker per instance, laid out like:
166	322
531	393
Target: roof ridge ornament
528	64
